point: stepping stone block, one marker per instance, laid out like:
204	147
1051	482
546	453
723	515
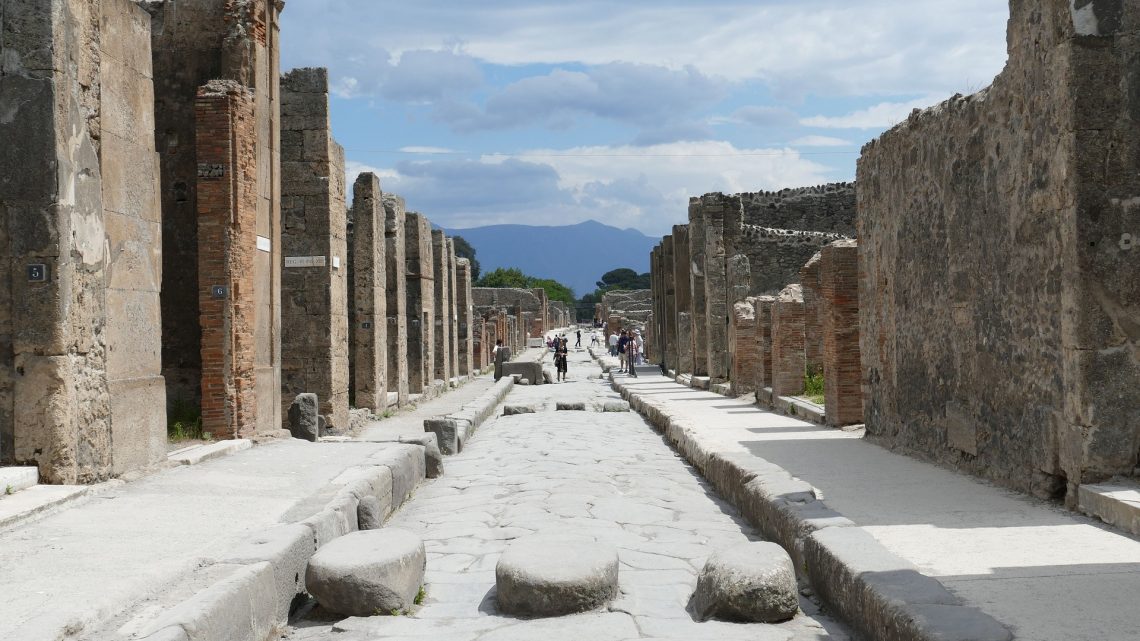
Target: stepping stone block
573	406
549	578
754	583
512	410
368	573
615	406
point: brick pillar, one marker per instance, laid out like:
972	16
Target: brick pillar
683	299
227	241
467	331
453	305
314	313
746	354
369	302
697	248
842	367
396	295
813	315
788	359
763	307
442	363
421	302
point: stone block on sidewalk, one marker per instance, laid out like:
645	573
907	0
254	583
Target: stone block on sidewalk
304	422
368	573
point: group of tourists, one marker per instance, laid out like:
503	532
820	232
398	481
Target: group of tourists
629	347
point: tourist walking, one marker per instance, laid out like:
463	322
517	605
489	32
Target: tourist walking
631	348
613	344
622	343
579	343
502	355
560	365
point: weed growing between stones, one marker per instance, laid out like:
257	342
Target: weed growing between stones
813	388
184	422
420	596
8	491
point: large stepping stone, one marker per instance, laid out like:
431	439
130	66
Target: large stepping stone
541	577
754	582
368	573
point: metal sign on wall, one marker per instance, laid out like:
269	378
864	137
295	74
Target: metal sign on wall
305	261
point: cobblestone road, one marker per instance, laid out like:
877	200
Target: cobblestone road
607	476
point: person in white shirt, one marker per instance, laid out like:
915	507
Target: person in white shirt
613	344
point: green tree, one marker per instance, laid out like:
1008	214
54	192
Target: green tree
616	278
463	249
554	290
505	277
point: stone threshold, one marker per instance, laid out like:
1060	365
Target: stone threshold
1117	503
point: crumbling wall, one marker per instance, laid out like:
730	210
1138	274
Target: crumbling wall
683	299
746	356
314	327
839	295
823	208
788	360
775	256
1000	282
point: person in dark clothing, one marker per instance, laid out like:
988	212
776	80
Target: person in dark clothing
622	342
579	343
560	353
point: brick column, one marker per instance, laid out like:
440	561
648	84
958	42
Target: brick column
314	313
467	331
370	320
421	302
813	314
699	316
746	354
227	241
396	294
788	360
763	307
842	368
683	300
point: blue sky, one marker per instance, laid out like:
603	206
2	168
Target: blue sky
537	112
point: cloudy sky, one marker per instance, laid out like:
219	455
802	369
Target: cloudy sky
554	112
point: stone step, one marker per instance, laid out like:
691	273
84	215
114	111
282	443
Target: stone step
37	500
14	479
1116	503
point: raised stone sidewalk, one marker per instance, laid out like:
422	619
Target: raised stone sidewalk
901	548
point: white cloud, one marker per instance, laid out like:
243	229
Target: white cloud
416	149
757	116
880	116
626	186
820	141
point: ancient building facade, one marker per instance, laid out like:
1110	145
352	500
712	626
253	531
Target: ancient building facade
81	391
1000	279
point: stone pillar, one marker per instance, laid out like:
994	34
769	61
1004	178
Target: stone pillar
813	315
227	242
81	395
370	318
763	306
441	264
396	294
842	369
314	315
788	359
697	248
746	355
683	299
467	331
720	214
668	322
453	305
421	302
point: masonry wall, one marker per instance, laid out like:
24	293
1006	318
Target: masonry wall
788	359
775	256
746	355
699	317
683	299
81	395
453	305
420	277
842	370
369	318
721	218
813	314
467	330
763	309
442	280
396	294
314	317
668	322
823	208
193	42
1000	276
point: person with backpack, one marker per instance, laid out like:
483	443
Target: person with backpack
621	348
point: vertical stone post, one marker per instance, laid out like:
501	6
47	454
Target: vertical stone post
453	306
370	362
717	211
699	317
683	299
314	315
421	303
763	306
813	315
788	359
227	242
668	322
441	264
396	295
467	330
745	346
842	369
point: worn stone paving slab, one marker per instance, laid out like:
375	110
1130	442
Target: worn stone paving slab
1048	574
603	476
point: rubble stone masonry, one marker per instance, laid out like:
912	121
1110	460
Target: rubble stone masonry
763	309
699	317
823	208
420	276
441	264
745	350
1000	273
683	299
314	350
813	314
467	330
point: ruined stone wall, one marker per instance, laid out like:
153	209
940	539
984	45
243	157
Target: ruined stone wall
396	292
1000	279
491	299
721	217
467	332
788	360
823	208
746	356
193	42
369	317
442	280
634	306
420	275
698	336
81	395
314	315
763	309
668	322
775	256
453	305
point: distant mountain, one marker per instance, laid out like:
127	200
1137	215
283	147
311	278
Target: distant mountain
575	255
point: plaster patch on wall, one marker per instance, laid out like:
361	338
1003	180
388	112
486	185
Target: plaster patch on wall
1084	18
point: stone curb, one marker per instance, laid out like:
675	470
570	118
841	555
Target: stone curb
452	430
253	602
878	593
203	453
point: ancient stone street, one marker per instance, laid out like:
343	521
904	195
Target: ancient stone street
603	476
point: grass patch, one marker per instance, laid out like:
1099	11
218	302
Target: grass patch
184	422
420	596
813	388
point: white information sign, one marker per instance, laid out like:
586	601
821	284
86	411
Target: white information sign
305	261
